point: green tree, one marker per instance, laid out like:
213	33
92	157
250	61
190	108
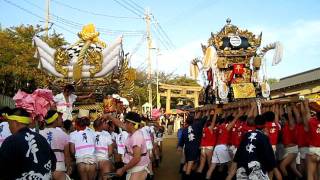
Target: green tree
272	80
18	66
141	86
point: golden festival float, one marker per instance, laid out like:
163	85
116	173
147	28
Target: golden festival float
233	65
92	66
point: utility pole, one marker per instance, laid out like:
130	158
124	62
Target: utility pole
47	18
158	95
149	47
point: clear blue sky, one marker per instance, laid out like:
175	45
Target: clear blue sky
187	23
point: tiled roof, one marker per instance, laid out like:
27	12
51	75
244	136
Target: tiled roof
300	78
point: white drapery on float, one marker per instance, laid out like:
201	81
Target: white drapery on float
88	58
231	64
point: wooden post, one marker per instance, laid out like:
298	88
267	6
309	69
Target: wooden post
196	99
168	100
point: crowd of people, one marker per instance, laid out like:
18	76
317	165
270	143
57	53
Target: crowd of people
250	141
237	141
113	146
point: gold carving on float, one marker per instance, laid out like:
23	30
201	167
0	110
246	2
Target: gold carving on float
87	54
61	59
89	33
94	58
243	90
231	30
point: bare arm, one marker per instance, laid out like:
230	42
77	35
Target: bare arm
297	113
116	121
110	150
290	117
213	123
72	149
67	157
232	123
84	97
275	109
135	160
305	111
253	107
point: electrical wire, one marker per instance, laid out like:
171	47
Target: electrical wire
128	8
79	26
35	15
160	40
137	5
162	31
133	6
93	13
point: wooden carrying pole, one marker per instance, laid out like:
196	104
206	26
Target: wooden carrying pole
244	103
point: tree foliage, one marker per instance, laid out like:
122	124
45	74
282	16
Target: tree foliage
141	86
18	66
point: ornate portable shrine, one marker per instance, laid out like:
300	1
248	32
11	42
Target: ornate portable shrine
89	64
232	61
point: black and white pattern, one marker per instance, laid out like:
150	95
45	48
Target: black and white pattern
74	51
33	147
254	156
26	155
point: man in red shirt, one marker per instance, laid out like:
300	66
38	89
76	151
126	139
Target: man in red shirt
313	128
208	141
289	141
272	129
221	152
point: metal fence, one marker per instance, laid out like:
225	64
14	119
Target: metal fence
6	101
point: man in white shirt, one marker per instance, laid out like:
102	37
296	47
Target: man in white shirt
64	101
103	148
4	125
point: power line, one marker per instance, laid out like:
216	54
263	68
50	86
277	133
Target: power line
35	15
161	38
128	8
162	31
93	13
78	25
164	44
134	6
137	5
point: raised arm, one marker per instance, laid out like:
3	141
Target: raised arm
238	113
253	110
290	117
305	111
297	113
116	121
276	109
84	97
214	118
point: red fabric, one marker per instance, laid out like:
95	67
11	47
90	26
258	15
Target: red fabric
238	69
234	138
273	130
302	136
314	132
289	135
246	128
223	134
210	76
209	137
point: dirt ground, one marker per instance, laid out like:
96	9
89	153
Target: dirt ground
169	167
